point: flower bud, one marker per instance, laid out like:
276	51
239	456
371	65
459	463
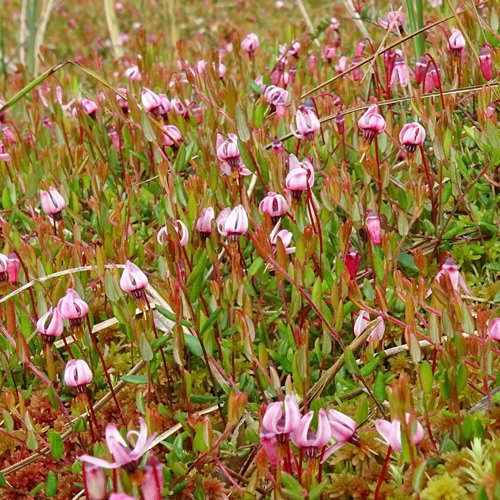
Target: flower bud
485	62
373	227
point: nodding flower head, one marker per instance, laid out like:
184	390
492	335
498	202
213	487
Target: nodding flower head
74	309
307	124
282	419
122	455
420	69
334	24
395	18
53	329
233	224
457	280
343	430
13	267
457	43
373	227
250	43
164	106
361	323
490	109
274	95
411	136
134	281
178	106
133	73
172	137
152	487
372	124
310	442
313	61
485	62
328	52
300	176
340	122
275	205
89	107
341	66
114	137
285	237
151	102
291	51
77	374
494	329
95	482
52	203
183	233
399	73
227	150
357	73
122	102
204	222
351	261
391	432
4	156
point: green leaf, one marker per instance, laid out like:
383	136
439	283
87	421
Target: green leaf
241	124
494	266
8	422
51	488
3	482
146	351
147	128
171	316
211	321
379	390
193	344
418	477
31	442
293	487
135	379
427	377
202	398
56	444
198	269
370	367
350	362
315	493
361	412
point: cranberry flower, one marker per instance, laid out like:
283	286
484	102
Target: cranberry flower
373	227
276	97
399	72
164	106
94	481
328	52
133	73
77	374
372	124
152	486
456	278
269	442
122	102
73	308
227	150
307	124
240	169
343	430
53	329
151	102
361	322
250	43
183	233
304	437
485	62
172	137
285	237
275	205
420	69
204	223
235	224
4	156
122	455
178	106
394	18
292	51
13	266
391	432
351	261
411	136
89	107
282	419
52	203
494	329
134	281
341	66
300	176
120	496
457	43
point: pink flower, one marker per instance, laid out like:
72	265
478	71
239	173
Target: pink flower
490	109
399	72
52	203
8	134
114	137
292	51
372	124
172	137
120	496
391	432
89	107
204	223
341	66
151	101
4	262
269	442
53	329
274	95
373	227
361	48
227	150
250	43
95	482
334	24
285	237
133	73
456	278
343	429
300	176
485	62
13	266
420	69
361	322
281	420
183	233
351	261
152	487
456	43
313	61
411	136
122	455
133	281
234	171
4	156
357	73
275	205
164	106
494	329
307	439
378	332
77	374
72	308
123	103
398	23
178	106
59	97
235	224
328	52
307	124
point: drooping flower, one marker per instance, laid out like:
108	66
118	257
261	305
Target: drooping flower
52	203
328	52
13	267
420	69
378	332
183	233
122	102
133	73
281	419
399	72
310	442
393	16
53	329
134	281
372	124
357	72
285	237
89	107
152	487
340	122
123	456
361	322
457	43
114	137
291	51
490	109
456	278
307	124
235	225
172	137
269	442
94	481
411	136
334	24
351	261
373	227
151	101
4	156
494	329
77	374
300	176
341	66
485	62
164	106
276	97
227	150
313	61
275	205
250	43
178	106
240	169
343	429
204	223
74	309
391	432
